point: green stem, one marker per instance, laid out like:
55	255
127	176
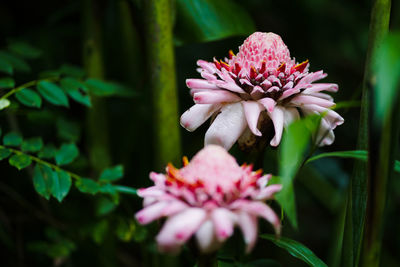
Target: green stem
26	85
119	188
162	81
98	137
358	190
43	162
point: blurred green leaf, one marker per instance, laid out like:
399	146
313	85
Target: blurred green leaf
387	69
48	152
17	63
24	50
291	154
7	82
20	161
99	231
68	130
73	71
112	174
32	144
12	139
296	249
102	88
66	154
29	98
87	186
5	67
61	185
4	103
105	206
52	93
4	153
76	90
208	20
43	180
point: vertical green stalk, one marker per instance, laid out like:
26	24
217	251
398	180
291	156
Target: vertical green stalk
97	126
162	80
358	191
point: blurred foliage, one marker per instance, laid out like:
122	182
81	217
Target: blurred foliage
94	224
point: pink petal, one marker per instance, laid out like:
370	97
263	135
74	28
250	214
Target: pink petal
248	224
278	120
179	228
290	115
289	92
332	117
325	136
230	86
227	126
215	97
252	111
317	87
197	115
200	84
151	213
224	221
306	99
153	191
268	103
207	66
268	192
205	237
322	95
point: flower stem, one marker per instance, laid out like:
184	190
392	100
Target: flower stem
162	81
207	260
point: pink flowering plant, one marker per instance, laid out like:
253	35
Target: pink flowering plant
261	83
206	199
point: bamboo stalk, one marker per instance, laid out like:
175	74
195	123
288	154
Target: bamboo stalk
97	126
162	81
358	191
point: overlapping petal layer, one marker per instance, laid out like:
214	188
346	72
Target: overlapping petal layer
206	199
262	77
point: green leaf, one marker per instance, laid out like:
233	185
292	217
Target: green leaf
87	186
296	249
52	93
73	71
48	152
101	88
76	90
4	153
4	103
12	139
61	185
17	63
387	69
6	67
209	20
105	206
43	180
66	154
29	98
20	161
112	174
354	154
291	153
32	145
24	50
7	82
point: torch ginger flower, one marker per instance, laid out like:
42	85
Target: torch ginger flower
206	199
260	79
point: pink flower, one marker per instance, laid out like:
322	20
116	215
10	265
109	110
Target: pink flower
206	199
261	79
